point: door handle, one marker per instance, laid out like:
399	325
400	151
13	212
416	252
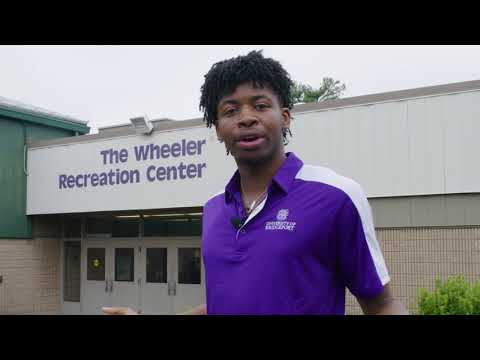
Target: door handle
172	288
106	285
111	285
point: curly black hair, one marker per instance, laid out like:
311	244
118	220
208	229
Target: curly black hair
225	76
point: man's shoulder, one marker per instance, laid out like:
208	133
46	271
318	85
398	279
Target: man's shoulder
324	175
219	196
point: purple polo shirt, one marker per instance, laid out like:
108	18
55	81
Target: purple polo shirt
310	239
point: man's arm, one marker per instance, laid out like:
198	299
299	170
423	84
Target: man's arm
382	304
199	310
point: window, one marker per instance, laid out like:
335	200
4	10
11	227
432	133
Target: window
124	264
72	227
71	271
126	227
116	227
196	226
155	227
189	266
156	265
99	226
179	227
172	226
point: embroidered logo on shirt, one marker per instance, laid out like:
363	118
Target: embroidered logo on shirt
282	215
281	224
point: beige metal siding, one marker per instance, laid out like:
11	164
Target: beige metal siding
416	257
426	211
426	145
405	147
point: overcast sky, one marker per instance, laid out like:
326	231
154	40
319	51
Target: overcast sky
107	85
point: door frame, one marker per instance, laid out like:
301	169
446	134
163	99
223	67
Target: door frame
172	268
69	307
77	308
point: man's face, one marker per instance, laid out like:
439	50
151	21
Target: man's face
250	122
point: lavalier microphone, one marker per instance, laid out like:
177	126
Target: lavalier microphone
237	222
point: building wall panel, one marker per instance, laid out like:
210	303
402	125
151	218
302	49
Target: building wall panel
30	270
422	146
416	257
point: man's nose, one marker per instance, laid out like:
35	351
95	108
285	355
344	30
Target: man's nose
247	118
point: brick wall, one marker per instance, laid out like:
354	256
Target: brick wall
30	276
415	257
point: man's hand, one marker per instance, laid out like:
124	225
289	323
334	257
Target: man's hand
118	311
199	310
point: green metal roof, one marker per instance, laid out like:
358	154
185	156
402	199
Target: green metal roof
21	111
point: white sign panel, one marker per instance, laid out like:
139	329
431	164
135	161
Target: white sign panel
170	169
400	148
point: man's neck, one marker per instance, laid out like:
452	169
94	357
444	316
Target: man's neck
255	178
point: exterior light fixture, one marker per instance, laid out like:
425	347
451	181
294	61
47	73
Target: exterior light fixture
142	125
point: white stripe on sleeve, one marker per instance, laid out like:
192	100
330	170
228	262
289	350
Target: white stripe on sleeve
357	195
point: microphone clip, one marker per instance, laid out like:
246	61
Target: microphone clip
237	222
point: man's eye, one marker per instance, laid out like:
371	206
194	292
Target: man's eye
229	112
261	106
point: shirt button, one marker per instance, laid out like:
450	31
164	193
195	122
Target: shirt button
243	231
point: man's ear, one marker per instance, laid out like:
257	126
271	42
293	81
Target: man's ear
286	117
218	135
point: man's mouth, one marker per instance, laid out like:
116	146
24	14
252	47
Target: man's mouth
250	141
250	138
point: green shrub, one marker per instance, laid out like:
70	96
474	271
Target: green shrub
475	297
455	296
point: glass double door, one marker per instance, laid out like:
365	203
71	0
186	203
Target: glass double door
153	276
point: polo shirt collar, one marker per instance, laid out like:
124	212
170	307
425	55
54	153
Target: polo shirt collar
283	178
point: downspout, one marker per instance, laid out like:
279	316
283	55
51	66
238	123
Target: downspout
24	148
29	219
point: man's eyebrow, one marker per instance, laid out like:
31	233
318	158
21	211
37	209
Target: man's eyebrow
259	97
234	102
228	101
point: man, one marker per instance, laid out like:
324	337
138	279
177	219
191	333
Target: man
284	237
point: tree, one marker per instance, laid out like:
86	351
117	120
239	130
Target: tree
329	89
